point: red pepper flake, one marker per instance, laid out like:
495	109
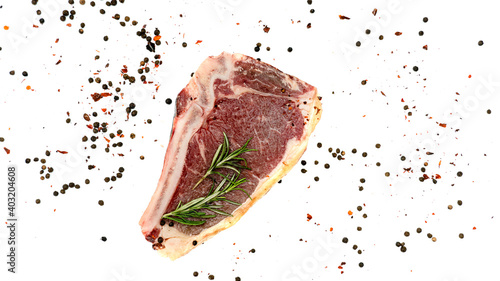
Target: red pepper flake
98	96
442	125
6	27
266	29
103	109
474	228
402	100
425	47
7	150
439	165
331	228
57	40
383	93
349	213
62	151
470	76
398	33
28	87
120	154
426	176
35	26
58	62
341	266
344	17
309	217
198	42
68	25
90	126
374	12
438	176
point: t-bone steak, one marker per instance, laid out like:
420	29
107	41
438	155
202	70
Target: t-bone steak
245	99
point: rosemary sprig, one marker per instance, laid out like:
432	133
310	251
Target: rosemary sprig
223	158
193	208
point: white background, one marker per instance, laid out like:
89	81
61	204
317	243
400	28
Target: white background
60	238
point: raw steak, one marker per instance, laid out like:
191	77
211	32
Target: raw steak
245	99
